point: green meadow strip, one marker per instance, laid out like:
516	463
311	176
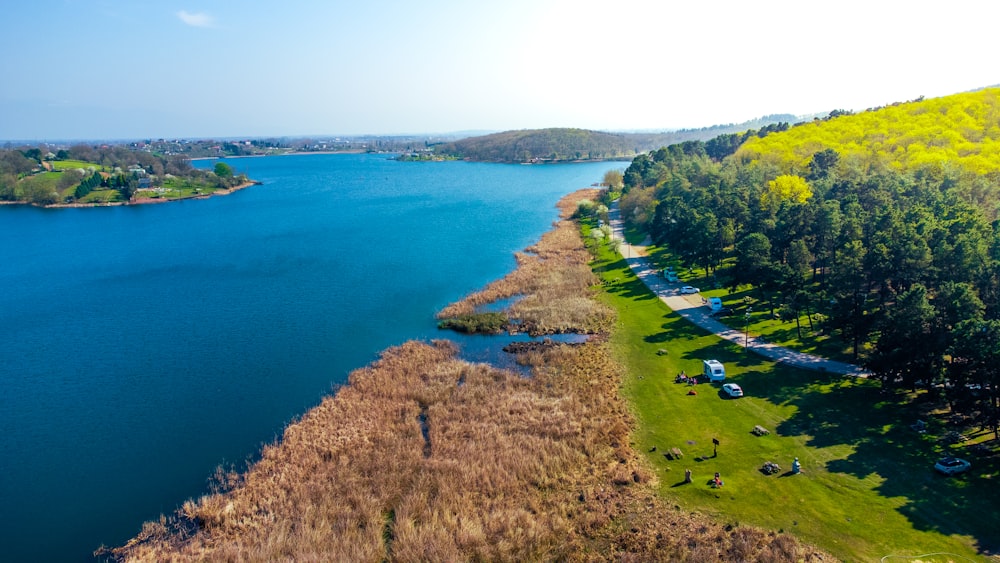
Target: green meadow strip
867	487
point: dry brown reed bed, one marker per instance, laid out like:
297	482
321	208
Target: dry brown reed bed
553	282
425	457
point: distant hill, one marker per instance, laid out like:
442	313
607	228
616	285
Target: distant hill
568	144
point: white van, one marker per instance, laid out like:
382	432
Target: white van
715	304
714	370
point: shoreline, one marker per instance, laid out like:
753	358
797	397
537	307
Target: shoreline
136	201
290	153
424	456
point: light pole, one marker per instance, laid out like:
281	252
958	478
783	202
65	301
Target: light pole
746	334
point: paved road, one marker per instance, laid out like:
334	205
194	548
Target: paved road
691	308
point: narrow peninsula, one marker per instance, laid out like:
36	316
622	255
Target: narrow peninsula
86	176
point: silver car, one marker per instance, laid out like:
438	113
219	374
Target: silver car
952	465
733	390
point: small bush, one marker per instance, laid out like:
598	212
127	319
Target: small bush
476	323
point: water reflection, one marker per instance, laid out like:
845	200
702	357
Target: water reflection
488	348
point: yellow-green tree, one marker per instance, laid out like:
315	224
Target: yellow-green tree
961	129
614	179
786	187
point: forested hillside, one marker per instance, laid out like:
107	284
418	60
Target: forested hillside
541	145
878	228
960	130
556	145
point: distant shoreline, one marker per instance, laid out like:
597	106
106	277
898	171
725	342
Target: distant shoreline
351	151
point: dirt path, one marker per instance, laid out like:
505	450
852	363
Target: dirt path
690	307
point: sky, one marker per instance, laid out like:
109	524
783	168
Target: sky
128	69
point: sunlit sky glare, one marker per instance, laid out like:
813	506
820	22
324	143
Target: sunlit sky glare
116	69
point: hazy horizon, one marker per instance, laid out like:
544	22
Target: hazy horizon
325	136
112	69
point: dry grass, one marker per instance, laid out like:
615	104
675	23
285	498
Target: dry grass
427	457
553	279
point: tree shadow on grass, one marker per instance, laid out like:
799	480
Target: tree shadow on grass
674	327
630	288
836	410
621	281
782	384
785	335
811	342
833	410
728	353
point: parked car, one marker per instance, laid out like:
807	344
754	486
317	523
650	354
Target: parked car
733	390
952	465
689	289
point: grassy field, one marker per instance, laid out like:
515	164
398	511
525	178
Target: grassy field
175	188
61	165
181	187
102	196
48	178
867	489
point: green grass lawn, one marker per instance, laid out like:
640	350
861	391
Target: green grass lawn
182	187
71	164
48	178
867	489
102	196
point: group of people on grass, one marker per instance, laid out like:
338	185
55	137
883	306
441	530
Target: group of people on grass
717	481
683	378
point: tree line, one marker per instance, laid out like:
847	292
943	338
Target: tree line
565	144
899	259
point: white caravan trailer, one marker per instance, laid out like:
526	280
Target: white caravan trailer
714	370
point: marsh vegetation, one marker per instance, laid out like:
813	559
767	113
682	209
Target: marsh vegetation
423	456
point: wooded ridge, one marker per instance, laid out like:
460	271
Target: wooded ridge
568	144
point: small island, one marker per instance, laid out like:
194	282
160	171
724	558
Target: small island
86	176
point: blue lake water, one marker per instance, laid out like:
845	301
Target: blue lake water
142	346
